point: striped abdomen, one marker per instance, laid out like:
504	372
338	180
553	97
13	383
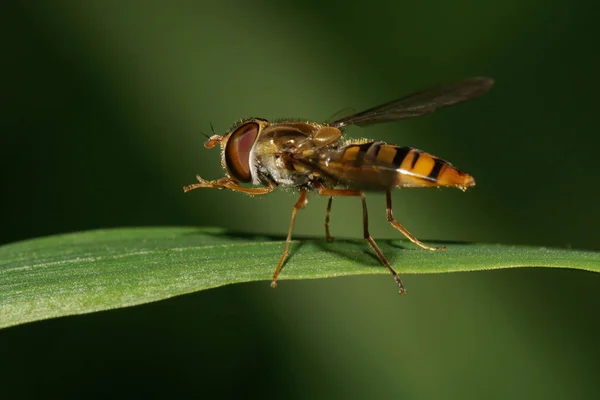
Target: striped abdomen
379	166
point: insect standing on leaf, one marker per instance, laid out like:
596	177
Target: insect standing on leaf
311	156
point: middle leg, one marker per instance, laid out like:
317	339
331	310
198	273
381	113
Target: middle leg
327	214
367	236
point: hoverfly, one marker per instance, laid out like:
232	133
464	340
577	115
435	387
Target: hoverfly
315	157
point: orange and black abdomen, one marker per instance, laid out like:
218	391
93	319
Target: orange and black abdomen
379	166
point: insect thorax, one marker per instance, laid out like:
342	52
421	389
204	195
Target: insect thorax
284	160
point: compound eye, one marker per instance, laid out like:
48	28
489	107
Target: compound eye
237	151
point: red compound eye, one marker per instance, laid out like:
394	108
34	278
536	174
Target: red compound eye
237	151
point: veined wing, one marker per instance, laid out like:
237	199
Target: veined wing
419	103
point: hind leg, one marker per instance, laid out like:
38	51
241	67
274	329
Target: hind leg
403	230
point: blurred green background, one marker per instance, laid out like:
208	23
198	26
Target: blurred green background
102	105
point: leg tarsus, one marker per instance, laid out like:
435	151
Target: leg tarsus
228	183
202	183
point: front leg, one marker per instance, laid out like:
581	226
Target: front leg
228	183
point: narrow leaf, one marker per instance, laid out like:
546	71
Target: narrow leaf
98	270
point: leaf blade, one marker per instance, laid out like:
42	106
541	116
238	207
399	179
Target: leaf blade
98	270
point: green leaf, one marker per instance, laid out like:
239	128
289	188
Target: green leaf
99	270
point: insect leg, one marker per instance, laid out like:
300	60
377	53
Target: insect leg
327	214
366	234
227	183
299	204
403	230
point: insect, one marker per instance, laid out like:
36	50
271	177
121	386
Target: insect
315	157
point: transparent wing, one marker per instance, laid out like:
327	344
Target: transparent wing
420	103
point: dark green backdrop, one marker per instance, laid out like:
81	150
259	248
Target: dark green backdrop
102	105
